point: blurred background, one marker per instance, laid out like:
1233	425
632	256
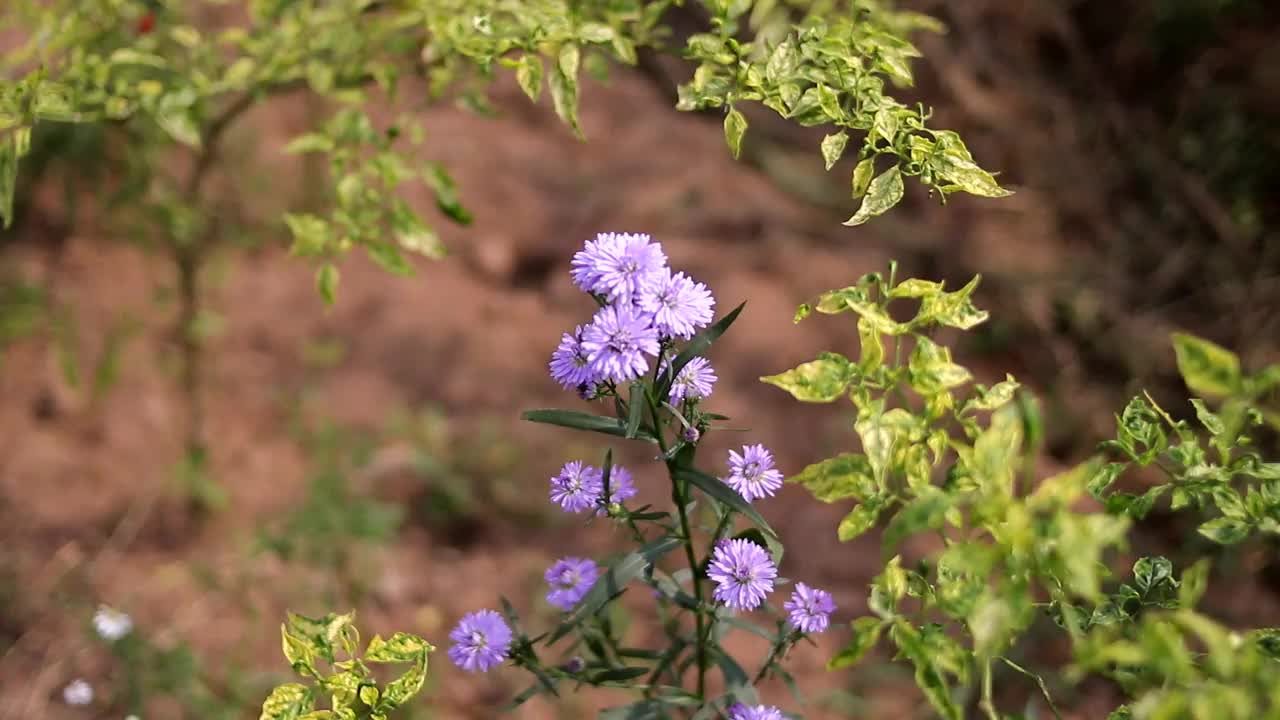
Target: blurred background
371	456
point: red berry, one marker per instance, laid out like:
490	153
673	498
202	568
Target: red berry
146	23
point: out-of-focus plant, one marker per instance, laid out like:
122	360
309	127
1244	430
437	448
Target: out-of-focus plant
946	459
325	651
170	80
336	525
146	670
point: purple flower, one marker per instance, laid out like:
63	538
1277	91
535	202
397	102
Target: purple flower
752	473
694	381
481	641
616	342
810	609
754	712
577	487
570	578
621	488
569	365
587	262
743	573
678	304
617	265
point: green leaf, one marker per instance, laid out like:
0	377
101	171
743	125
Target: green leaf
583	421
966	175
1225	530
872	349
735	125
1208	369
954	309
327	282
529	76
866	633
696	348
862	175
1193	582
931	370
725	495
859	520
311	234
882	194
636	407
389	258
287	702
564	86
926	512
612	582
844	476
308	143
400	648
9	177
821	380
833	147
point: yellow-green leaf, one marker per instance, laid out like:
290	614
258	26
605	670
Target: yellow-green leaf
1207	368
821	380
883	193
735	125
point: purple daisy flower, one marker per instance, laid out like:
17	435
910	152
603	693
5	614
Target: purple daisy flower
694	381
625	265
569	364
621	487
570	578
617	341
587	262
678	304
810	609
576	487
481	641
743	573
754	712
752	473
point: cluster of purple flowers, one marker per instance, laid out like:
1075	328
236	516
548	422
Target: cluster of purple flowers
744	574
643	305
579	487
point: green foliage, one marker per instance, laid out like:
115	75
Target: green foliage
831	67
944	457
315	648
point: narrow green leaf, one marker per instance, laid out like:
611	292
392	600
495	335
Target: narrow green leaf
718	491
327	282
862	174
613	582
735	125
583	421
696	348
883	193
529	75
564	86
1225	530
636	407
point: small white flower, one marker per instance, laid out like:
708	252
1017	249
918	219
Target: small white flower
111	624
78	692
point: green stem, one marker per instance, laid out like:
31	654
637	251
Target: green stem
988	704
680	495
774	652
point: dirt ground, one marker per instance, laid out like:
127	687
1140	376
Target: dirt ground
87	514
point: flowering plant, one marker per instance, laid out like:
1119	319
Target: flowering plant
642	357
